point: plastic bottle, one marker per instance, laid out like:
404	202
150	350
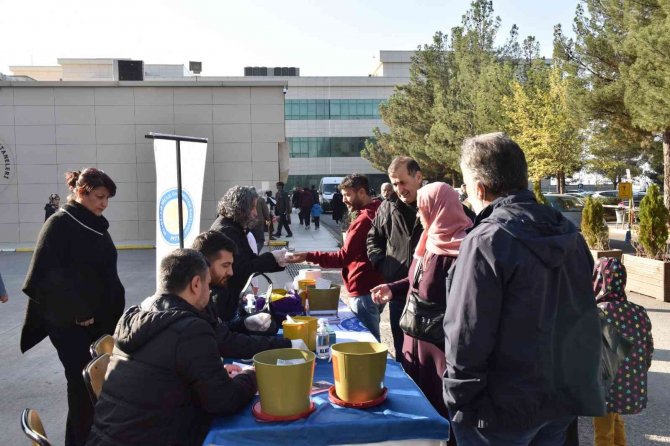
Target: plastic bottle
250	307
322	340
306	306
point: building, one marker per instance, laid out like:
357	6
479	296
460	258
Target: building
261	129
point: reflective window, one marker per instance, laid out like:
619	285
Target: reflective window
324	147
320	109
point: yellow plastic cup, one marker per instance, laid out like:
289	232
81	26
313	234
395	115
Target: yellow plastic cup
296	330
284	389
312	326
358	369
304	283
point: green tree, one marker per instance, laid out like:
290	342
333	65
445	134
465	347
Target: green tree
653	228
455	91
594	228
542	121
647	77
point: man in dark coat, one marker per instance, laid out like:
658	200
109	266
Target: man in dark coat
237	210
165	380
394	234
306	201
220	251
337	205
282	210
295	201
522	332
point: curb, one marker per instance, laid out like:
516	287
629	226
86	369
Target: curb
118	248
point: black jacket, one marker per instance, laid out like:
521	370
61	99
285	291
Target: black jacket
72	276
523	339
282	203
231	338
392	240
246	262
165	379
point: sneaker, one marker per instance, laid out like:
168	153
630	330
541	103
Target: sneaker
273	238
276	235
289	235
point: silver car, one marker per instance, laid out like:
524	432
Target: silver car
570	206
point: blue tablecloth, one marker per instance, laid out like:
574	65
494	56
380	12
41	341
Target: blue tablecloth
405	415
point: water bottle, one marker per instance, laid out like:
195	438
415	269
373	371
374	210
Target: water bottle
322	340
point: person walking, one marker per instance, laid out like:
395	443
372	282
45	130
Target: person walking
262	222
283	211
306	201
627	394
522	331
445	223
337	205
357	272
271	202
75	294
394	235
295	202
52	206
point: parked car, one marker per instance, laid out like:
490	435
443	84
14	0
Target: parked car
570	206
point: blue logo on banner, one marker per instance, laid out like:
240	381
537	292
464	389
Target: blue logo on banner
168	215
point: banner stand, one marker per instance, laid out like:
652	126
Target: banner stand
169	166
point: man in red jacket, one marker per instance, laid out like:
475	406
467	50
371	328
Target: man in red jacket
357	272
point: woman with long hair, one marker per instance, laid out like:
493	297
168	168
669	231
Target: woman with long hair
75	294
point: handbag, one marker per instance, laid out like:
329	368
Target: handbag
262	306
422	319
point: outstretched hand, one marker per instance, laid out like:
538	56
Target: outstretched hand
381	294
296	257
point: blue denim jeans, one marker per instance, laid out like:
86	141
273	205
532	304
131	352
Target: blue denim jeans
367	312
551	433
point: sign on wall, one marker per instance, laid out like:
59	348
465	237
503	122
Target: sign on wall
7	165
180	166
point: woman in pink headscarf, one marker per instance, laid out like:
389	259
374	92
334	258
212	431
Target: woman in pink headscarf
444	223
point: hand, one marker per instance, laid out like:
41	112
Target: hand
232	369
381	294
258	322
280	256
4	298
299	344
296	257
85	323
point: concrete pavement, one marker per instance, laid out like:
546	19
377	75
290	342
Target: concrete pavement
36	379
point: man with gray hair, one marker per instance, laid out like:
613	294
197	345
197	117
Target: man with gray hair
522	332
387	191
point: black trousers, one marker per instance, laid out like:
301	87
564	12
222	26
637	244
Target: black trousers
72	344
395	311
317	222
283	223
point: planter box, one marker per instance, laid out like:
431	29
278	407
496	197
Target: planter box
596	253
648	276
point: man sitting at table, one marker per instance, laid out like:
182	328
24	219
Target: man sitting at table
220	252
357	272
165	379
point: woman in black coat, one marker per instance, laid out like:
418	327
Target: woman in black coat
52	206
74	291
237	212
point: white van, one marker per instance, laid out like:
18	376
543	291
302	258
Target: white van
327	187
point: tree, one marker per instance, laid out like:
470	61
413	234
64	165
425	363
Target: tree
594	229
647	77
542	121
455	91
653	228
610	156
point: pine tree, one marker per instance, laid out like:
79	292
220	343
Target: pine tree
653	228
594	228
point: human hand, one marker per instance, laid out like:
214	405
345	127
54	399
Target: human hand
280	256
85	323
232	369
381	294
299	344
4	298
258	322
296	257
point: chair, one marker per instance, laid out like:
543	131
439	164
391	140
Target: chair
32	427
94	375
105	344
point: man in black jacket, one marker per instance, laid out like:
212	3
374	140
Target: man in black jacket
394	234
282	210
219	251
522	333
165	380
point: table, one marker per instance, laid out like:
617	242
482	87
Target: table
405	418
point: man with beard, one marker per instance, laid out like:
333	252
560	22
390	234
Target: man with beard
220	251
357	272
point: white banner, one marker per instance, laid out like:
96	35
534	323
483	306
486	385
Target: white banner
193	156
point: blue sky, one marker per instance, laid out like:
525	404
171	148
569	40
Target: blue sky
334	38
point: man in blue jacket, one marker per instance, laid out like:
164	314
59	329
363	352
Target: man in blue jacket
522	333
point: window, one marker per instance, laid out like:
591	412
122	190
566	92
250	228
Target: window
324	147
324	109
